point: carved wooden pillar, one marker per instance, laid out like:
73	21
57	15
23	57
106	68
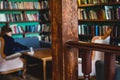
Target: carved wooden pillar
64	23
109	66
86	63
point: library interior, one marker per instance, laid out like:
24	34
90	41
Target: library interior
59	39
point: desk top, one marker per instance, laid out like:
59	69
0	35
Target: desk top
42	53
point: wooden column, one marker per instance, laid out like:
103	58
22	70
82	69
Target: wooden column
71	64
86	63
64	23
109	66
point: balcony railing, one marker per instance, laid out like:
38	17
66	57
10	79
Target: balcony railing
71	61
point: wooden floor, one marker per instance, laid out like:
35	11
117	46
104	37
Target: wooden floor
13	77
31	75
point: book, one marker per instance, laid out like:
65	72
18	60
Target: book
97	30
13	28
3	18
79	2
108	12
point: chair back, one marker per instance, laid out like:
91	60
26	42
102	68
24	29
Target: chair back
105	39
2	55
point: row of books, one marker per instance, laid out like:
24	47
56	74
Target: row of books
93	30
108	13
112	13
42	16
16	29
45	16
116	31
11	17
24	5
32	17
45	28
95	1
46	38
37	28
20	17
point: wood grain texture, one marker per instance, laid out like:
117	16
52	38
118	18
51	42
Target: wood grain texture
64	24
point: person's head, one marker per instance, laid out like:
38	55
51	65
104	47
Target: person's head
5	30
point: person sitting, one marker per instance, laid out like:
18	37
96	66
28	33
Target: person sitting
11	46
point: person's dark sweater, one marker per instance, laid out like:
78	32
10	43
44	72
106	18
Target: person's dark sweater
11	46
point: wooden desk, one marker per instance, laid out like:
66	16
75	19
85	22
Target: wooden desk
44	54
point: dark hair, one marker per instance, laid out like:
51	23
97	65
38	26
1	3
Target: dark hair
5	29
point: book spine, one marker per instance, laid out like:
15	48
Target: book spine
97	30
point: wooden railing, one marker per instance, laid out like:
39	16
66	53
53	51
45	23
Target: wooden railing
71	61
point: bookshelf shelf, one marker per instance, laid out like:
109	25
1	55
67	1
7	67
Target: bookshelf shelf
26	17
99	22
15	22
99	4
95	18
25	22
24	9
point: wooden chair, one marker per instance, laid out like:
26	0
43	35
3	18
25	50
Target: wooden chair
10	65
96	55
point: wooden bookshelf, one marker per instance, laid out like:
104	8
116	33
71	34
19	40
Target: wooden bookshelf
24	19
97	15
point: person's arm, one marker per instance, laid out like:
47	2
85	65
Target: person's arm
11	46
19	47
